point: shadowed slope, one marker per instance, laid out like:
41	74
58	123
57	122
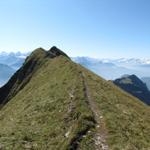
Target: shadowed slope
133	85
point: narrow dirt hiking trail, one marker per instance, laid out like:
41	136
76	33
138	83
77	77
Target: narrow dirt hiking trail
101	133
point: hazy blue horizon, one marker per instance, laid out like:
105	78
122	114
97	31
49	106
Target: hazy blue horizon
26	53
98	28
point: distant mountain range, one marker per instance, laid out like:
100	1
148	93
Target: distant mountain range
115	68
13	59
5	73
109	69
9	63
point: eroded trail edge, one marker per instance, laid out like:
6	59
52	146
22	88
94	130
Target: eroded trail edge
101	134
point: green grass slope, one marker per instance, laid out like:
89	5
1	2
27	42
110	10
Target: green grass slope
62	106
127	119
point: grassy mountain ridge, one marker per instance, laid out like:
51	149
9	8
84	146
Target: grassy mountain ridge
65	106
24	74
55	109
123	114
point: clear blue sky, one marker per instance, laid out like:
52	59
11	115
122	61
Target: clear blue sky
96	28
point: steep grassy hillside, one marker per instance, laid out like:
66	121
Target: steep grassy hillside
127	119
52	103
